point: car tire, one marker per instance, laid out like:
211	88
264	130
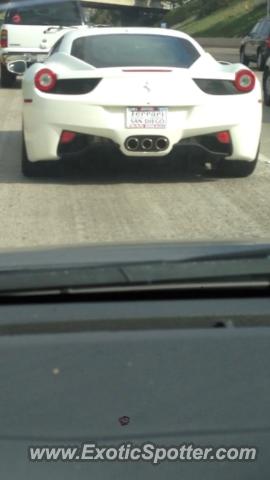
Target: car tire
236	168
42	168
260	61
266	88
243	58
7	78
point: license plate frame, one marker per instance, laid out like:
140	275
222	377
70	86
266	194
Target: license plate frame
146	117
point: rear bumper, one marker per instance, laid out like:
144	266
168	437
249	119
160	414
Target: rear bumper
206	146
48	115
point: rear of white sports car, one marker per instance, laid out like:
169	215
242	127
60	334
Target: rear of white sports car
147	91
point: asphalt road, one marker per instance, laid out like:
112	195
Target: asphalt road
107	199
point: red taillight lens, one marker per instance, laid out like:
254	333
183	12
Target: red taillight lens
267	42
224	137
4	39
244	80
45	80
67	137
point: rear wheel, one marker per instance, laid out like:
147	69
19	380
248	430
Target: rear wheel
7	78
236	168
266	88
260	60
243	57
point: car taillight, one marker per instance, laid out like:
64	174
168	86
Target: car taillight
267	42
224	137
4	38
244	81
45	80
67	137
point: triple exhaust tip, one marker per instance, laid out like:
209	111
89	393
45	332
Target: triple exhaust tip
146	144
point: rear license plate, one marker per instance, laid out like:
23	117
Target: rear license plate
146	117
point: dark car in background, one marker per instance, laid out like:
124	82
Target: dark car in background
255	47
266	82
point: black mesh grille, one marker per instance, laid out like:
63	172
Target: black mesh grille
209	143
79	144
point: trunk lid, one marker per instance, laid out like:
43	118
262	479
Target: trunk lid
136	86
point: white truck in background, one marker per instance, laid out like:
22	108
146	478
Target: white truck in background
31	28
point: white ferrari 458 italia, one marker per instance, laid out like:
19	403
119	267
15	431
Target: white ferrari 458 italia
147	91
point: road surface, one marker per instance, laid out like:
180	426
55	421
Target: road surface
111	200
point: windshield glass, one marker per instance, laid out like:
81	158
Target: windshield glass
64	13
150	123
134	239
134	50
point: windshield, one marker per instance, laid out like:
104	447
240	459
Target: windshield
145	125
64	13
134	239
134	50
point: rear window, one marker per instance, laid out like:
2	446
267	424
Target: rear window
119	50
62	13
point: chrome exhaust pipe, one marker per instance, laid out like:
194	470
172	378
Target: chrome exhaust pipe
161	143
132	144
147	144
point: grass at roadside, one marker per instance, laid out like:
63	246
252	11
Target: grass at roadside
234	21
